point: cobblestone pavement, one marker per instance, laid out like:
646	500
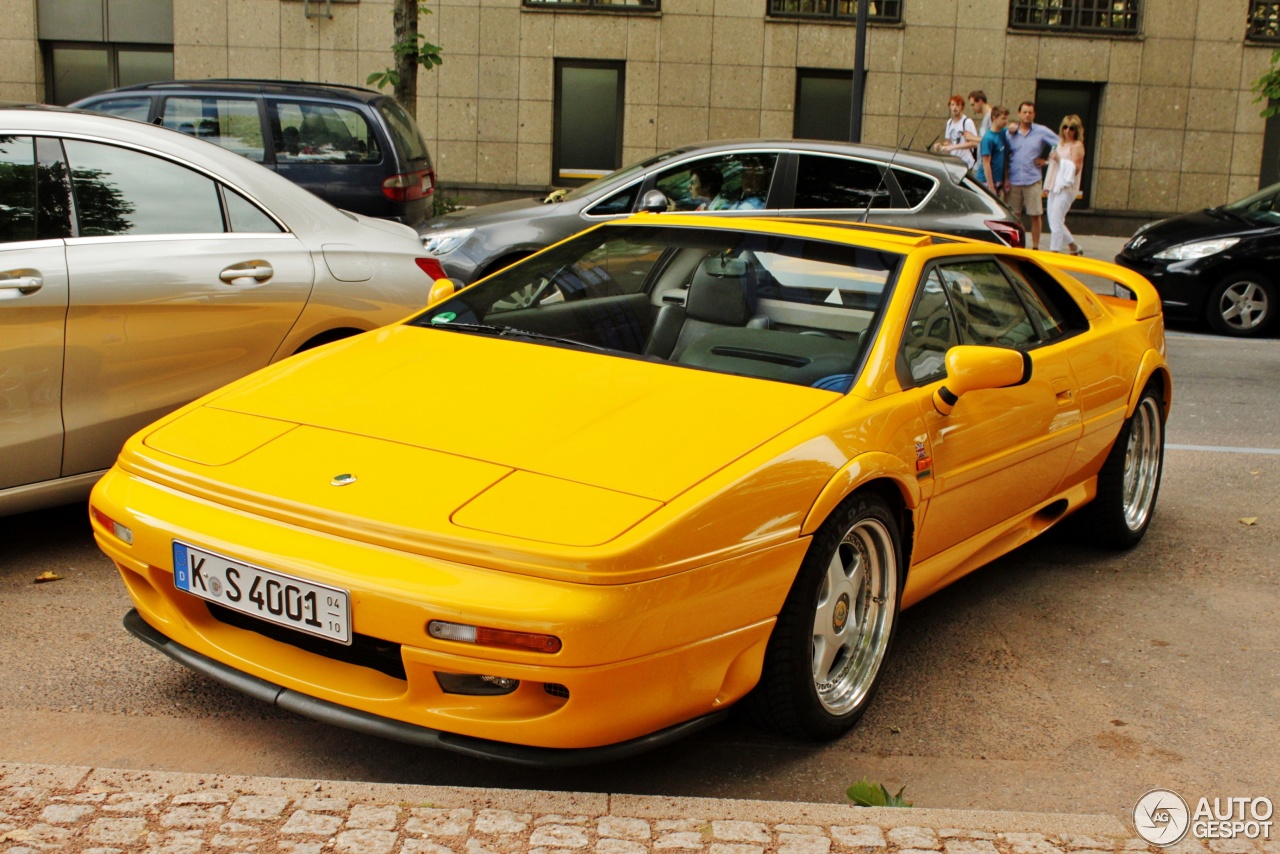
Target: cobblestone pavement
58	808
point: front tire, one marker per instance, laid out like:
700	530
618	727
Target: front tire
1130	478
1243	305
826	653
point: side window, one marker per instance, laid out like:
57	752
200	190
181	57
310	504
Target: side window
127	108
119	191
620	202
232	123
320	133
986	305
244	216
17	189
915	187
728	182
1057	311
839	183
930	332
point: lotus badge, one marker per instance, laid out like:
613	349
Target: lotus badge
343	479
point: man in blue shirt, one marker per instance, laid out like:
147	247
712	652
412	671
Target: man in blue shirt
1029	146
993	154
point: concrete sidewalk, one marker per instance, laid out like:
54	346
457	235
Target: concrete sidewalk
62	808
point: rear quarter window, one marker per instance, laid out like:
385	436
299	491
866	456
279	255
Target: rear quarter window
322	133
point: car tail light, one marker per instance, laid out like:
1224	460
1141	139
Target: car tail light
410	186
120	532
481	636
1010	232
431	267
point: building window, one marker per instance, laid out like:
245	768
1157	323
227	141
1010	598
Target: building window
1084	16
879	11
78	70
1264	20
823	100
587	138
597	5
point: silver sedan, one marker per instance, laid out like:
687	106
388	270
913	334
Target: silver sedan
141	268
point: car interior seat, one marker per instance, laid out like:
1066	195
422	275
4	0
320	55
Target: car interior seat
722	292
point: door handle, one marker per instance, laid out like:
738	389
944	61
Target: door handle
1062	390
22	284
259	271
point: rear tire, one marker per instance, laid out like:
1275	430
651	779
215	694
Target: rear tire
826	653
1243	305
1130	478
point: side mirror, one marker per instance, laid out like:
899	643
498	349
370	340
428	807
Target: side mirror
442	290
655	201
971	368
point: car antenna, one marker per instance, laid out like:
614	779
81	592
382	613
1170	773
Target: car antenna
871	198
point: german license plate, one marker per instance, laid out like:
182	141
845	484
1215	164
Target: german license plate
316	609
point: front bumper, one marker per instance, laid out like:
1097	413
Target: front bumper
353	719
640	660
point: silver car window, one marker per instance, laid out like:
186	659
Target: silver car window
119	191
17	189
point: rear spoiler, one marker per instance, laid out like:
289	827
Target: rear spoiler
1147	296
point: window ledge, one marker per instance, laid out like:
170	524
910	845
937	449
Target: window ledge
1076	34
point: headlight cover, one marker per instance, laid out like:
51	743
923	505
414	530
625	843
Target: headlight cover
446	240
1196	249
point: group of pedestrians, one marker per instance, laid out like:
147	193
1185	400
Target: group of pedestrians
1008	160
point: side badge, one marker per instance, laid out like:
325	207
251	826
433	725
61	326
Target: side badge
924	462
343	479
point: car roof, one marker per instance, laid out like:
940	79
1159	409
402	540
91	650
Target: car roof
244	85
884	237
898	156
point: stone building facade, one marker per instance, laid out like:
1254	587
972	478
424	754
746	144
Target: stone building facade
1177	127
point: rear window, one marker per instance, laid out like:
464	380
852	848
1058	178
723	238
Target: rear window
404	132
321	133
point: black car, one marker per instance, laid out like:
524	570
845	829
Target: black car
756	177
355	148
1219	264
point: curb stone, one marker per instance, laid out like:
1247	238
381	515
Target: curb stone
47	808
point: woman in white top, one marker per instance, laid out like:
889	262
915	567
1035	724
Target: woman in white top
1066	166
961	134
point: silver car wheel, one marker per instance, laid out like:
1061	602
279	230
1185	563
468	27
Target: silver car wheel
1142	463
1243	305
853	619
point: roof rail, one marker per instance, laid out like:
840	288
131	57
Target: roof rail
252	81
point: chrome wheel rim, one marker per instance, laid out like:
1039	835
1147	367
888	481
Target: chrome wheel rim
854	616
1142	463
1244	305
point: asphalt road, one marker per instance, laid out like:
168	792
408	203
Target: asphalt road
1061	678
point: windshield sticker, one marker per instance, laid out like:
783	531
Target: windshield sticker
445	317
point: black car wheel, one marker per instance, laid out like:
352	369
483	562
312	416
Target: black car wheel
1243	305
1129	480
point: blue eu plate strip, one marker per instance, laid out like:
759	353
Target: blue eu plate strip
181	568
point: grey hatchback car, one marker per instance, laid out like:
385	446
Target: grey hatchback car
791	178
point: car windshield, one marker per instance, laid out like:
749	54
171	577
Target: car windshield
1263	207
623	174
774	307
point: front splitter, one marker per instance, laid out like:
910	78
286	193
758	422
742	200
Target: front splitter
376	725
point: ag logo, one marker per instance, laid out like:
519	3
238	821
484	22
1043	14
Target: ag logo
1161	817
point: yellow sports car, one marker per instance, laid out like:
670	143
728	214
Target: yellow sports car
586	505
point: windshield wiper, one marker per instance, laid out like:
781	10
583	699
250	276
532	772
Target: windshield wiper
513	332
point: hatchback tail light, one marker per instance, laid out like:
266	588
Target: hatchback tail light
1010	232
410	186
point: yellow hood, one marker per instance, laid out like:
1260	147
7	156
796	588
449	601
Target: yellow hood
448	431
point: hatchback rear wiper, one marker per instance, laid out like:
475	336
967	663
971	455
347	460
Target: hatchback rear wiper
513	332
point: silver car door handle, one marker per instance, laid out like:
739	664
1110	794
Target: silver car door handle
22	284
259	272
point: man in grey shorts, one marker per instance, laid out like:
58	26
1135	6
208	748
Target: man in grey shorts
1028	143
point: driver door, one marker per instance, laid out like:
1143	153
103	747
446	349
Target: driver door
1001	451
